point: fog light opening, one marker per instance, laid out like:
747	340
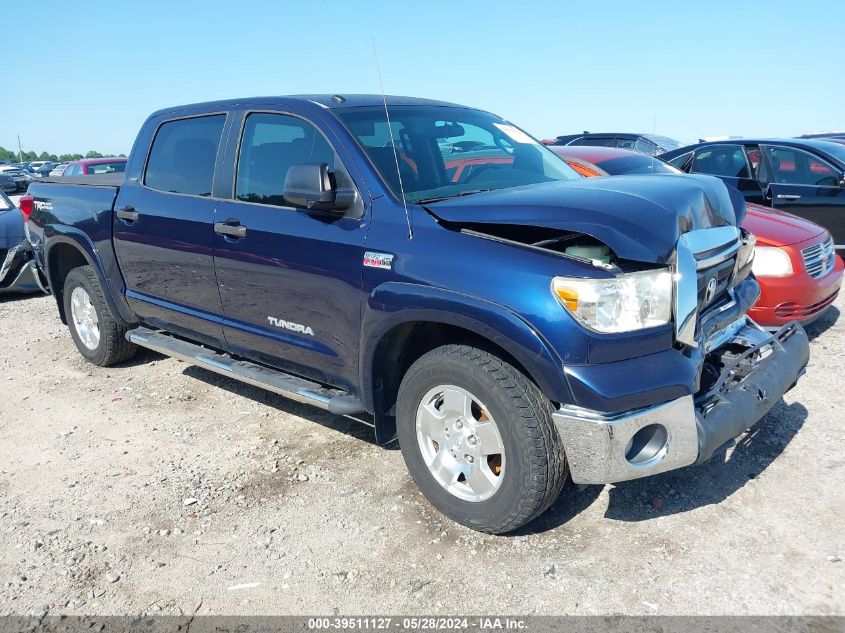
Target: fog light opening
648	444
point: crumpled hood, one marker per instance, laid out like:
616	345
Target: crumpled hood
638	217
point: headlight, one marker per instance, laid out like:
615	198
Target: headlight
633	301
771	261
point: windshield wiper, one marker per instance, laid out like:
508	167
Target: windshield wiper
455	195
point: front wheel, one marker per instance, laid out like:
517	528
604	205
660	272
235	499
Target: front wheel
478	439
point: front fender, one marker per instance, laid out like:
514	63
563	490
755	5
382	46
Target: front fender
395	303
102	261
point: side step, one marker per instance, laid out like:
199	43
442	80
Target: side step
293	387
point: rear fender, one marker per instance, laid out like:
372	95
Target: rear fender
102	260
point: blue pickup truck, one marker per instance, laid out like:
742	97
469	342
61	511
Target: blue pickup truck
512	325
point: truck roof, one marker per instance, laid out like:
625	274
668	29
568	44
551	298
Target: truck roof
329	101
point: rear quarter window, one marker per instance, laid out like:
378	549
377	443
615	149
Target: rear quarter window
183	154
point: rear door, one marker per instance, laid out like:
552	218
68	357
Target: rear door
163	230
291	282
730	163
808	186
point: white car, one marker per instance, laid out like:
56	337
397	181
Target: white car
58	170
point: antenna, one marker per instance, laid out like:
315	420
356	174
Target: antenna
392	142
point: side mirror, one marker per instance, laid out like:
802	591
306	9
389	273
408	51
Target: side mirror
313	187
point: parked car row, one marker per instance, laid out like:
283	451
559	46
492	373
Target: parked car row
15	177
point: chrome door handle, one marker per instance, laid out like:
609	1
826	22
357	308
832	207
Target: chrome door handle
788	196
229	229
127	214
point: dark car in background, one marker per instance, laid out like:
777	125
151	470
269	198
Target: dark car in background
89	166
19	176
801	176
651	144
18	271
7	183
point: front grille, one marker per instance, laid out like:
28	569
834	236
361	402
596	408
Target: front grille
722	273
819	258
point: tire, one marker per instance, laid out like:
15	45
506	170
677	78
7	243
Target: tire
106	343
532	466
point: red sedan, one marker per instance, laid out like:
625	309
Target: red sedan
794	261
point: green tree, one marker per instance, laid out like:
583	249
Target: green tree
93	154
43	156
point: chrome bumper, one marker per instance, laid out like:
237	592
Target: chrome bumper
606	448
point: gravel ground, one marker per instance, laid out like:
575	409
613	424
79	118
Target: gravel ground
159	488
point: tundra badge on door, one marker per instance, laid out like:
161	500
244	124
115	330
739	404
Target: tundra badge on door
289	325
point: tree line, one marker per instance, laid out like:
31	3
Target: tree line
11	156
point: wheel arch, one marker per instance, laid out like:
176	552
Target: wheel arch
404	321
67	251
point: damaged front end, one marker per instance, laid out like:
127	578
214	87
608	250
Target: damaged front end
675	257
19	271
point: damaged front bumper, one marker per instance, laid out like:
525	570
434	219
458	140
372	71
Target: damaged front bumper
756	369
18	270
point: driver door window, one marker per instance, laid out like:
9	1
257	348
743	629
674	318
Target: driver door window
796	167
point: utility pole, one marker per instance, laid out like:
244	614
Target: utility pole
20	151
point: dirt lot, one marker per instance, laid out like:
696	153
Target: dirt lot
155	487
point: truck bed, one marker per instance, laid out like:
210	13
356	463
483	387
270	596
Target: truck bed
94	180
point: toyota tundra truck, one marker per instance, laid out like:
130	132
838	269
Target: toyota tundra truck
511	327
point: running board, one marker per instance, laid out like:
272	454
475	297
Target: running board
288	385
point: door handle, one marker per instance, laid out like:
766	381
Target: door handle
230	229
788	196
127	214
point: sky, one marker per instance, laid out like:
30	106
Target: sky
89	73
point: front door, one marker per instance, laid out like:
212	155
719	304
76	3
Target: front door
290	279
163	231
802	184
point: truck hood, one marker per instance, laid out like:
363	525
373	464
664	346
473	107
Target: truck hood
639	217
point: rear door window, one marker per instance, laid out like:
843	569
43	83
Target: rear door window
721	160
183	154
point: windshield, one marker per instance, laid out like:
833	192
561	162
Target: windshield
636	164
444	151
107	168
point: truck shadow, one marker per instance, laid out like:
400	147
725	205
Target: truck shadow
686	489
714	481
358	429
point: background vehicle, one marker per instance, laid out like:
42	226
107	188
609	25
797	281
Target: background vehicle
646	143
824	135
58	170
21	178
42	169
800	275
90	166
18	271
498	326
805	177
7	183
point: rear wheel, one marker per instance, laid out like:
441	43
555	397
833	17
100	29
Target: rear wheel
98	336
478	439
